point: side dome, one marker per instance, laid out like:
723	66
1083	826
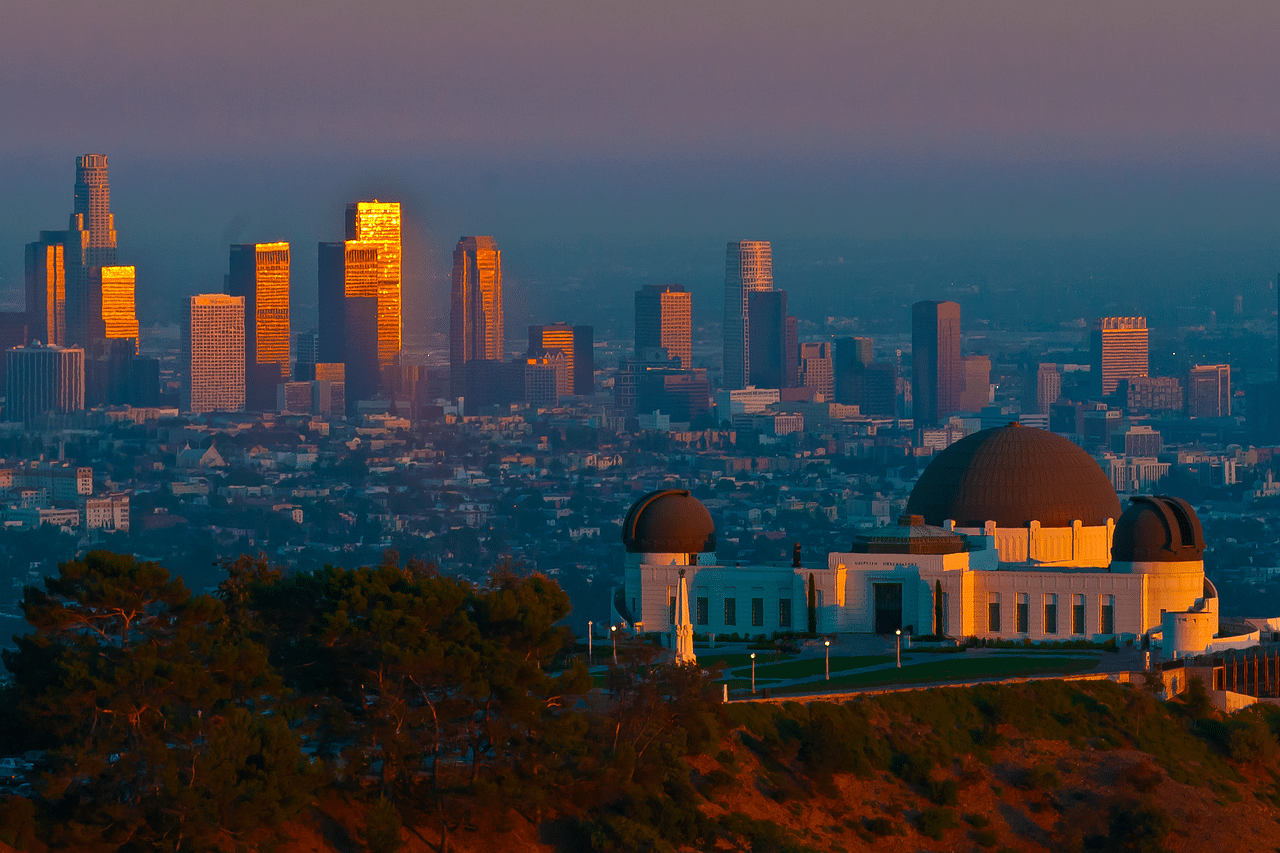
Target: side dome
1158	529
1014	475
670	521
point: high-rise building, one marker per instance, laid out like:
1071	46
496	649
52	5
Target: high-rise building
259	272
113	314
1048	386
1209	391
977	383
937	378
90	242
1150	394
816	370
767	356
850	358
348	297
40	379
215	354
664	318
577	344
378	223
13	333
791	353
475	307
1118	351
880	390
306	352
748	269
46	280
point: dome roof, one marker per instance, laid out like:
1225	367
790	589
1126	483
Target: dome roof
670	521
1158	529
1013	475
910	536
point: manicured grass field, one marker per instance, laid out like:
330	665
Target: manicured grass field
954	669
733	660
808	667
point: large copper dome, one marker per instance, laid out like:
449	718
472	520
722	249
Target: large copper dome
1158	529
1013	475
670	521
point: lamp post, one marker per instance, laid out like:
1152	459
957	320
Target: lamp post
590	630
613	633
753	672
898	637
827	643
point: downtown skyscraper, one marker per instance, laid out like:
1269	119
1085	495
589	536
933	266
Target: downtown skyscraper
476	330
348	296
748	269
259	272
1118	350
664	318
377	223
937	370
214	344
60	304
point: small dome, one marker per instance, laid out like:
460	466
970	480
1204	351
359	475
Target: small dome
670	521
1014	475
1158	529
910	536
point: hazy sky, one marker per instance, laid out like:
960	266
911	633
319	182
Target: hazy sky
607	143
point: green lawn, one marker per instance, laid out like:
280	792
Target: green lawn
957	669
808	667
733	660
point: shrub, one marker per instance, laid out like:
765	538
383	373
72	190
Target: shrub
382	827
879	826
934	822
985	837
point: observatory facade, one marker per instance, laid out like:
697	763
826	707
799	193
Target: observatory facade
1012	533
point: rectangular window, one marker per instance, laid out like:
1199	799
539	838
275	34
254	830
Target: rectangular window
1050	613
1024	614
671	608
757	612
1077	614
702	610
993	614
731	611
1107	616
784	613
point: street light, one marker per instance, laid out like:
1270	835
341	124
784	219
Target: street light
898	634
827	643
613	632
753	672
590	631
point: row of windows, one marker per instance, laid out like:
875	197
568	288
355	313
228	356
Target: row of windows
702	611
1022	614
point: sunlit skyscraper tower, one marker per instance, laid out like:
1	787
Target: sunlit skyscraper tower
664	319
378	223
748	269
47	289
215	354
90	242
475	307
1118	350
260	273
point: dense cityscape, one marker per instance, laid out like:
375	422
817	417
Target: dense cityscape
239	434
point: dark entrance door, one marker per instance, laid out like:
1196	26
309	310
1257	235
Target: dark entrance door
888	607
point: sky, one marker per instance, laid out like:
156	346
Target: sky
1102	155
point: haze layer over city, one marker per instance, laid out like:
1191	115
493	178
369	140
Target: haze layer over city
1061	154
